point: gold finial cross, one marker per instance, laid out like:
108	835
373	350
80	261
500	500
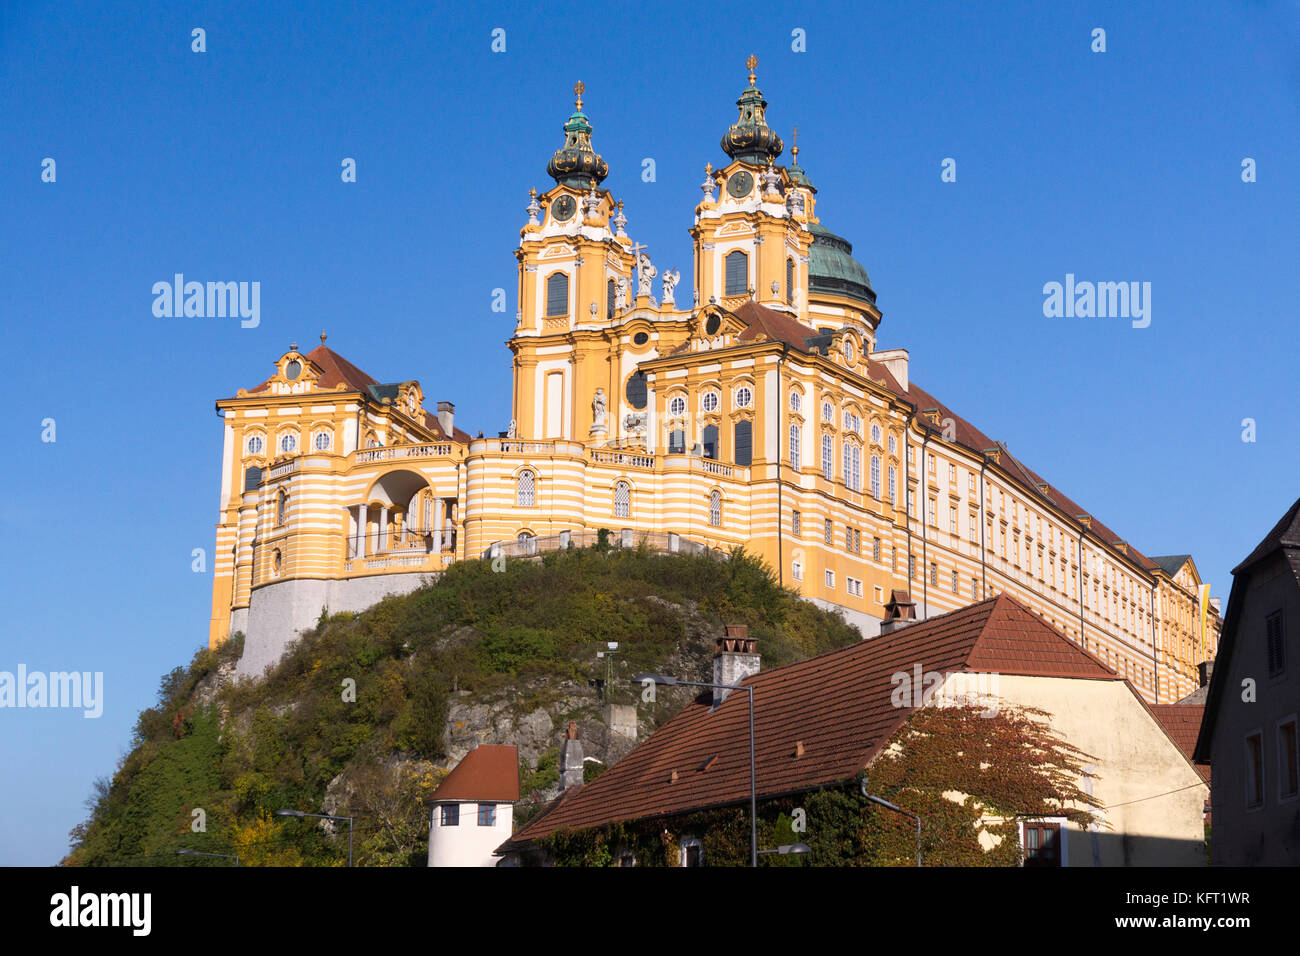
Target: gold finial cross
708	169
578	89
794	150
322	338
751	63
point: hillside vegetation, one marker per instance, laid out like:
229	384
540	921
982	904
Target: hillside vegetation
367	712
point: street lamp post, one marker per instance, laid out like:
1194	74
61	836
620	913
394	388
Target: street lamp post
321	816
885	803
669	681
227	856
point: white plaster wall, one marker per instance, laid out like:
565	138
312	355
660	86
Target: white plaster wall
468	844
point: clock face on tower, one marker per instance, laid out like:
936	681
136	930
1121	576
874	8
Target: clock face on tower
740	184
564	208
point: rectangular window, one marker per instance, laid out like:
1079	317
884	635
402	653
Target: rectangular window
795	523
952	474
952	520
557	294
796	569
893	486
933	516
830	580
854	586
955	585
743	444
974	528
795	442
1255	770
1276	644
828	463
911	566
1042	844
972	482
451	815
487	814
911	503
737	264
929	463
934	574
829	533
1288	759
974	589
875	549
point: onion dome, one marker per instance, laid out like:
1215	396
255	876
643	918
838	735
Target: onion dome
751	140
577	165
833	270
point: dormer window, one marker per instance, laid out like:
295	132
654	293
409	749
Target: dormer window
292	370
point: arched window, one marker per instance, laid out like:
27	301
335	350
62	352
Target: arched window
796	440
711	442
636	390
875	477
743	444
796	401
828	413
525	490
252	478
609	299
875	434
715	509
557	293
622	500
828	458
737	273
281	506
789	281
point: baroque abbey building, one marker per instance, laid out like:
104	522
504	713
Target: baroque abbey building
762	413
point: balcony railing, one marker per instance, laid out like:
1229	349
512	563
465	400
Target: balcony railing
397	452
659	541
623	458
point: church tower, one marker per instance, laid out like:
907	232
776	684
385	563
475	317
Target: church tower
752	241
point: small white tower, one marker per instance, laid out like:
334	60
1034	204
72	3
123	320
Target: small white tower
472	811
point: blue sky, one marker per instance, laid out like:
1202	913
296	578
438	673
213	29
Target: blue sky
224	165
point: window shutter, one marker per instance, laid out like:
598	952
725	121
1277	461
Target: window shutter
744	443
737	273
252	478
557	294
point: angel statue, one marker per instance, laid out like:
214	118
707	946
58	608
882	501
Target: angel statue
644	273
670	278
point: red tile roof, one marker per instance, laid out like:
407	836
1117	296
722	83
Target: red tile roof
488	773
1183	722
837	705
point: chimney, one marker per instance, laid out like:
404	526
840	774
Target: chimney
895	363
1205	669
571	759
446	415
899	612
735	657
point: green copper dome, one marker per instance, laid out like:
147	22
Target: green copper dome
832	268
577	164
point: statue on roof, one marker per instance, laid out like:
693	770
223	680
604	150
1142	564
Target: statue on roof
670	278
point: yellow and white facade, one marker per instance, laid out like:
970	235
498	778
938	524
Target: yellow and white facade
762	413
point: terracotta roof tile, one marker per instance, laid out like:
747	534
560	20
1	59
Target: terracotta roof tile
837	705
489	772
1182	722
